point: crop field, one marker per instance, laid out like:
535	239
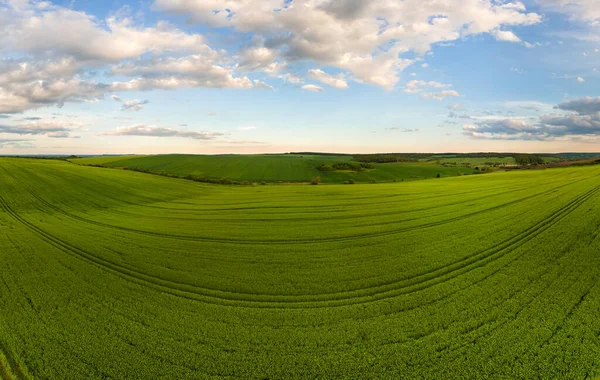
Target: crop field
272	168
124	275
476	161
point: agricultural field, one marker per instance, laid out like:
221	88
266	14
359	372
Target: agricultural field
474	161
124	275
273	168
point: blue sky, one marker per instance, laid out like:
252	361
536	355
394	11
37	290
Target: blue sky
225	76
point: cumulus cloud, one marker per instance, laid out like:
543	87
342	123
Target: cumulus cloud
587	105
578	10
580	80
56	129
312	88
52	69
171	73
441	95
415	86
59	30
130	105
260	58
505	35
582	118
159	131
330	80
291	78
349	34
29	85
12	143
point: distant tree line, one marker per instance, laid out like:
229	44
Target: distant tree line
46	157
386	158
529	159
349	165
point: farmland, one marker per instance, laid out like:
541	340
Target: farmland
125	275
274	168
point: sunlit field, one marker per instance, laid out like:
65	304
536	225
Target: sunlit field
118	274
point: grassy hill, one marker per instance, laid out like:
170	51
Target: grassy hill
118	274
274	168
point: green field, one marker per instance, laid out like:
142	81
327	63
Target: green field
475	161
272	168
125	275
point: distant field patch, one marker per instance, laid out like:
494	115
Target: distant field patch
277	168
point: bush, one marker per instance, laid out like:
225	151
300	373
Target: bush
315	181
438	175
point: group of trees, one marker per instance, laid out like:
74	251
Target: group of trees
348	165
387	158
529	159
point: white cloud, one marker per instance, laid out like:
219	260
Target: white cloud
291	78
134	105
158	131
505	35
263	85
330	80
130	105
53	68
59	30
348	34
55	129
414	86
441	95
578	10
170	73
417	86
580	80
581	121
258	58
587	105
312	88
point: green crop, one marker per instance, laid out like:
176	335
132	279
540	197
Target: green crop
119	274
275	168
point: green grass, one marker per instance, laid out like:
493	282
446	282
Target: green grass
272	168
475	161
119	274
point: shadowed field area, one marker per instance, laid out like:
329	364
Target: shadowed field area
118	274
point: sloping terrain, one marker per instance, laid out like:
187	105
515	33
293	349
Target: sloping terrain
118	274
272	167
